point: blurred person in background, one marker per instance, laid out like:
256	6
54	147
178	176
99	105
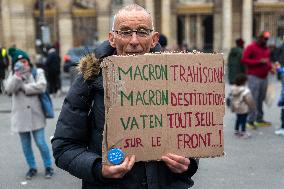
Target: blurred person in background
235	66
280	54
4	64
27	117
183	47
52	66
274	54
280	71
163	42
256	58
241	103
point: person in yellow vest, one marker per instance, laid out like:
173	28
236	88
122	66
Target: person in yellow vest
4	64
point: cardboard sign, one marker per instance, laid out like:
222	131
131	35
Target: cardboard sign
164	103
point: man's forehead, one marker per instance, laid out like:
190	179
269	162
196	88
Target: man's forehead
133	18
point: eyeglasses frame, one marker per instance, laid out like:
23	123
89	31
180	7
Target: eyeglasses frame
117	32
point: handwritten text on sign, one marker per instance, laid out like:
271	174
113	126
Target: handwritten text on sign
161	103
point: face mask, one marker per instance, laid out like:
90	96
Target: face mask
19	66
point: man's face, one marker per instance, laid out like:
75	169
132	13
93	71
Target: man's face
133	33
263	40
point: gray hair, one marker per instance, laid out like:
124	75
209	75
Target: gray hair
131	8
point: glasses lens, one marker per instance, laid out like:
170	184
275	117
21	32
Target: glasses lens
143	32
125	33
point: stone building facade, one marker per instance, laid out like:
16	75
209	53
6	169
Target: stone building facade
201	24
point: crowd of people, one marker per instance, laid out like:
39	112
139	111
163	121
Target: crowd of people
252	65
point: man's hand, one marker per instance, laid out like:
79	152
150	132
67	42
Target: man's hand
264	60
18	75
118	171
275	67
177	164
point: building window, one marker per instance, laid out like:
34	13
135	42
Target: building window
50	21
84	31
280	32
118	2
84	4
84	24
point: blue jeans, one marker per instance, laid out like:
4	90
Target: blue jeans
41	144
241	121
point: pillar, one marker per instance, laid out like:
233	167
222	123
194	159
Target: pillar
104	19
65	26
5	14
199	33
166	20
227	26
247	21
149	5
30	30
187	30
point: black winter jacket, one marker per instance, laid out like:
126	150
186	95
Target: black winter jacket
77	142
53	63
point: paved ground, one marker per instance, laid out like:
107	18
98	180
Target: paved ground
254	163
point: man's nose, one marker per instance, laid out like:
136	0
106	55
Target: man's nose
134	40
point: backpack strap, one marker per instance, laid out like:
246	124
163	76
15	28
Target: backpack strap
34	72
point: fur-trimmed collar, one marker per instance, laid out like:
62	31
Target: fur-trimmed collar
89	66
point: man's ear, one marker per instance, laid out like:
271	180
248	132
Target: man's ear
155	39
111	39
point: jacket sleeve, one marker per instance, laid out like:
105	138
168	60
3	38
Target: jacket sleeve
37	87
12	84
192	169
71	138
248	59
250	102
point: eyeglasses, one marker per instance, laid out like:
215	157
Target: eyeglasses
141	32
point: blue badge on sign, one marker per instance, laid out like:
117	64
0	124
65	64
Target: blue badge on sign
115	156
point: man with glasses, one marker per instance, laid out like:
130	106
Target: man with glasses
256	58
77	145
